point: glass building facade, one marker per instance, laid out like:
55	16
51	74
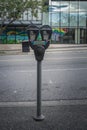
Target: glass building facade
69	21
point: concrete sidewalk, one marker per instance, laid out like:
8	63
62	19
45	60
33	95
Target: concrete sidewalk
17	48
62	117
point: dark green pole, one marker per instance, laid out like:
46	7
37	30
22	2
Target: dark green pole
39	116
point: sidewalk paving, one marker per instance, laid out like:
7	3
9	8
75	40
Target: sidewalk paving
62	117
8	49
16	47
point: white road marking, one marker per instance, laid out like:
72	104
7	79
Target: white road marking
44	103
15	60
50	70
57	50
45	58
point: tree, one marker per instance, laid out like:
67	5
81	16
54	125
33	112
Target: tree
11	10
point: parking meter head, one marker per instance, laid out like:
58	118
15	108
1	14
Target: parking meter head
33	32
46	32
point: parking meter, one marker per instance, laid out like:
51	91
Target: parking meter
46	32
39	47
33	32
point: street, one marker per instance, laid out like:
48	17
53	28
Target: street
63	76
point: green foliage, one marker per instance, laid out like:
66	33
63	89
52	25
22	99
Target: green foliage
11	10
14	8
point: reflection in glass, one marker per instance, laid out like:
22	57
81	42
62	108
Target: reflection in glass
69	14
64	19
73	19
82	19
54	19
32	35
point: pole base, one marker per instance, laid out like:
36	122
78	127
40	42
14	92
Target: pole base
39	118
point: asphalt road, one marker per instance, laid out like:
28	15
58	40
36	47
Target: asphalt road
64	76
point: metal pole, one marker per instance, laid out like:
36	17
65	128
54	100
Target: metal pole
39	78
39	116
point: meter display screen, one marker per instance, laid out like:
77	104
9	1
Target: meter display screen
39	43
32	35
45	34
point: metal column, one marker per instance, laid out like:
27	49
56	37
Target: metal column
39	116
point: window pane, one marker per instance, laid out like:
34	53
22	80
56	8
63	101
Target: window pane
83	6
82	19
74	6
54	19
64	19
73	19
